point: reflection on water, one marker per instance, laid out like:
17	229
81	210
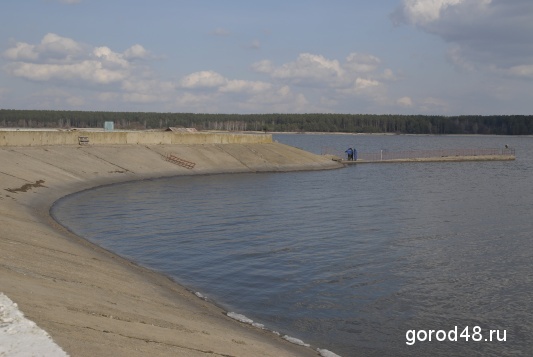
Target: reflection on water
347	260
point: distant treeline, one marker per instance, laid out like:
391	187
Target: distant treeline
347	123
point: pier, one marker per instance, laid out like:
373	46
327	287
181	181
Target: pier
437	155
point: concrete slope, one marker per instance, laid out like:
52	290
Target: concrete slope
94	303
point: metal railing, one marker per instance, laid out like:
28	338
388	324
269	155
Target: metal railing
386	155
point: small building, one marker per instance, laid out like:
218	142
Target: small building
109	126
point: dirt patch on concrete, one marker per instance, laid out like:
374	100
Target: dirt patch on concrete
26	187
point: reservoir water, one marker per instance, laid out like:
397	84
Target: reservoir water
347	260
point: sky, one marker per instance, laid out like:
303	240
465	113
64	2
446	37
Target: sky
432	57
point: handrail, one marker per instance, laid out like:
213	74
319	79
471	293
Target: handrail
386	155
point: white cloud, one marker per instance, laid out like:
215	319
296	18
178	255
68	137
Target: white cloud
147	86
243	86
70	2
264	66
144	91
113	59
359	75
281	99
522	71
60	45
209	91
58	58
421	12
361	83
203	79
483	34
51	48
309	68
89	71
362	63
136	52
365	87
194	100
113	79
405	102
22	51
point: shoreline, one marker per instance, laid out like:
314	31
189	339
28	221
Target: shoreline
94	302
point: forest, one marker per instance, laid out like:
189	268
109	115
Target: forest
345	123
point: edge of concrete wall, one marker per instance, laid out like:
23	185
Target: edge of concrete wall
50	138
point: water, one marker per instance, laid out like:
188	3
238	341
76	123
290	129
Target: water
347	260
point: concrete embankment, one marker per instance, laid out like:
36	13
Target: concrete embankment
94	303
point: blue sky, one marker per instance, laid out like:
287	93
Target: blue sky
437	57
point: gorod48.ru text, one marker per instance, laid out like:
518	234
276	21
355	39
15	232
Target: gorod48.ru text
475	334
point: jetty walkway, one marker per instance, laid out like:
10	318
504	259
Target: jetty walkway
438	155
